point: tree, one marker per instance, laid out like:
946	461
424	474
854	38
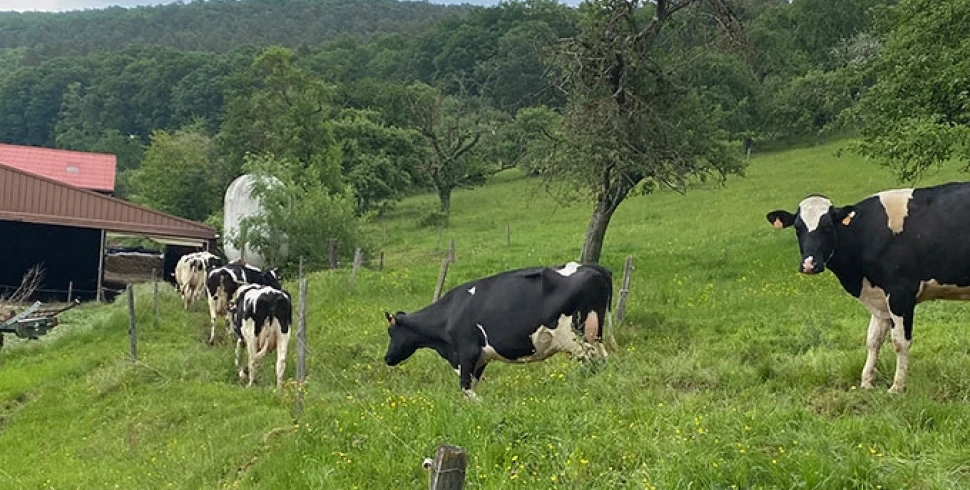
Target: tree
452	126
632	119
378	159
181	174
298	216
916	116
277	109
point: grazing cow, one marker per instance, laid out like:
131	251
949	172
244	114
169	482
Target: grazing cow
190	274
891	251
520	316
261	318
222	284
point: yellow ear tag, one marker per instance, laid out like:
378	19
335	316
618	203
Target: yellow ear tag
848	219
778	224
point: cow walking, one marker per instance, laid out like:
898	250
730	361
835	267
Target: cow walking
890	251
261	319
190	275
222	284
522	315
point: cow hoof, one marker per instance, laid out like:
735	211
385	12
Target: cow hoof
470	395
866	385
895	390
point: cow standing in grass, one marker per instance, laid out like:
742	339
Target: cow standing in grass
222	284
891	251
190	275
523	315
261	319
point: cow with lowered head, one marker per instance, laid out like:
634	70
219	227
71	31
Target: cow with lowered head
222	283
519	316
890	251
190	274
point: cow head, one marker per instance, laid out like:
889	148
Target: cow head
815	222
274	278
403	341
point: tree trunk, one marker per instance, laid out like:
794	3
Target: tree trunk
444	194
596	231
615	191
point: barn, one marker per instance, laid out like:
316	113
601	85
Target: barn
56	210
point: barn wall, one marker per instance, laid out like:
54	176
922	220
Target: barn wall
66	254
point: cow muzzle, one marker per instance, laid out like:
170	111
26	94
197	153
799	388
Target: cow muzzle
809	266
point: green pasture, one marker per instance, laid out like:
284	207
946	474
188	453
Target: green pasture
734	371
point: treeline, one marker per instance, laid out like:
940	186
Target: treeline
215	25
367	112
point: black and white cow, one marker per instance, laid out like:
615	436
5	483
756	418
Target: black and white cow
522	315
261	319
891	251
190	274
222	283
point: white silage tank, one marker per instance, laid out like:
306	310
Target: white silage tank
240	203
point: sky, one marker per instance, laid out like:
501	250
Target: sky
62	5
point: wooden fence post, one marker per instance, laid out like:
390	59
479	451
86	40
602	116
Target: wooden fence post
441	280
132	333
301	343
380	267
621	301
155	296
508	235
451	251
333	253
70	291
358	257
448	468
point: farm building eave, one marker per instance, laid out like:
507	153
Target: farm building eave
36	199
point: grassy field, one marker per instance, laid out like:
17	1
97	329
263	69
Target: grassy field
734	371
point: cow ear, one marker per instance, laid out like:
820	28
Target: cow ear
780	218
390	319
845	215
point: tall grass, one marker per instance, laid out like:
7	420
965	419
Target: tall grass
734	371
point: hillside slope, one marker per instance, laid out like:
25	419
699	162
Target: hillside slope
734	371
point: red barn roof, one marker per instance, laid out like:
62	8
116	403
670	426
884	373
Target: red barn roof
94	171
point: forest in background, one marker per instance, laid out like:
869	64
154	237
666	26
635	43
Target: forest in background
354	104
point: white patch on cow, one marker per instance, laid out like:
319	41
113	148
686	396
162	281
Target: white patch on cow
932	289
811	209
896	204
569	269
592	327
482	329
874	299
471	291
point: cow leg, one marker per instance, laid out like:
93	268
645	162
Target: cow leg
477	375
878	328
468	360
282	342
251	342
213	316
901	308
239	343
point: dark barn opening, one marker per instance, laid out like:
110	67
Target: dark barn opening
172	255
66	254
